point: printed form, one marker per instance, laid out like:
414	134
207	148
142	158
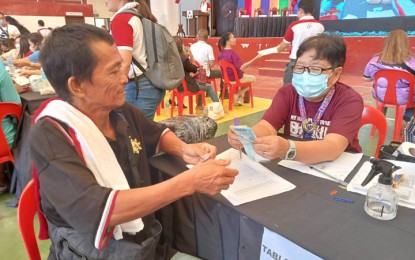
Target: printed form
340	168
253	182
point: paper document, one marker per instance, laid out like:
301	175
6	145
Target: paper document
253	182
268	51
405	189
21	80
340	168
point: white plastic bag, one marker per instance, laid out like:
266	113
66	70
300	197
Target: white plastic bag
215	110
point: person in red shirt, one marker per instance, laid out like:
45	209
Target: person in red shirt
305	27
204	6
315	107
127	31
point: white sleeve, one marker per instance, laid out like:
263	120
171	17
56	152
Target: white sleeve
210	54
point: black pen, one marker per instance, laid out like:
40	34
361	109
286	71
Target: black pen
235	123
332	177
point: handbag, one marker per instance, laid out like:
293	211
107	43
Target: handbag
215	110
201	77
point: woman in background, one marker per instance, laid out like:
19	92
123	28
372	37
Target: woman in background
8	49
396	54
227	54
190	71
22	44
35	43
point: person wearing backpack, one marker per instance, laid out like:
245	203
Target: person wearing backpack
127	31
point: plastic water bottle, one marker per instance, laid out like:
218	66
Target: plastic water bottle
205	111
12	69
167	107
44	80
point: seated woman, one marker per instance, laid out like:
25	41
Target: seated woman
35	43
396	54
7	94
22	44
314	107
226	53
9	50
190	71
91	150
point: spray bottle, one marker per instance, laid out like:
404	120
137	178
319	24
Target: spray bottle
381	199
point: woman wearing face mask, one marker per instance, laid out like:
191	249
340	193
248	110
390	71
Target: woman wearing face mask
315	107
35	42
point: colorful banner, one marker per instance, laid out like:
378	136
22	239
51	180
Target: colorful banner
248	7
255	4
265	4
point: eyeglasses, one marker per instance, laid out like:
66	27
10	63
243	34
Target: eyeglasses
298	69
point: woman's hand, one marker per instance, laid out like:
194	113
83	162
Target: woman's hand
271	146
233	140
192	74
198	153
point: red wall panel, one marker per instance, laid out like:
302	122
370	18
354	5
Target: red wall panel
45	8
359	50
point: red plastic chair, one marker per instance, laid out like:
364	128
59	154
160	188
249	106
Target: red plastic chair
25	217
233	85
6	109
373	116
390	100
180	98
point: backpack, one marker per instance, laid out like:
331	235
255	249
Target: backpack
163	59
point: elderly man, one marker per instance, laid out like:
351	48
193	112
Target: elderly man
316	108
90	149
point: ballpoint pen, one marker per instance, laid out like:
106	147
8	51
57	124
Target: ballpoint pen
329	175
343	199
236	122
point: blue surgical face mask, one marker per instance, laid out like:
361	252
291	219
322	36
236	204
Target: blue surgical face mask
310	86
1	22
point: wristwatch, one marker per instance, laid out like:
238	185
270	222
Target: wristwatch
290	155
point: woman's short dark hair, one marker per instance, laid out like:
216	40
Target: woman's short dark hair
222	41
67	52
35	38
328	47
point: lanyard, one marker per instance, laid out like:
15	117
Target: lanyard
310	127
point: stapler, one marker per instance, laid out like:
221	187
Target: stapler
379	166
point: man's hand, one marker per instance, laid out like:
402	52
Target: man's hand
212	176
197	153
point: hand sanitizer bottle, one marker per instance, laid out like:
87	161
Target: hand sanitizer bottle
12	69
381	199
